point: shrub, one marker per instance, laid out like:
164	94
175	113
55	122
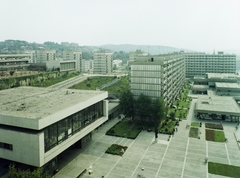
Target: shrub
193	132
116	149
214	126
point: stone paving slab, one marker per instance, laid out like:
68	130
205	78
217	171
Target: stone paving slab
181	157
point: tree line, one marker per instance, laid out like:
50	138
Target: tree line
143	109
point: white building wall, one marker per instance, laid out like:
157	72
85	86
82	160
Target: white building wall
102	63
27	147
45	55
201	63
73	55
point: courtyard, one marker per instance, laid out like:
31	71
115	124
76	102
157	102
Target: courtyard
181	156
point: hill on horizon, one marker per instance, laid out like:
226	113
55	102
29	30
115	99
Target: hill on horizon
151	49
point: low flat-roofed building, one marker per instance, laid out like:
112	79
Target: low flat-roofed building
15	61
38	124
200	89
217	107
228	89
211	78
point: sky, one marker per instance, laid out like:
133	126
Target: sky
188	24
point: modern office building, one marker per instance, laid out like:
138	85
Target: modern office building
102	62
73	56
42	55
38	124
211	78
157	76
201	63
15	61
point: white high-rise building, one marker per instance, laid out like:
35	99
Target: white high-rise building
73	56
102	62
86	65
42	56
159	76
201	63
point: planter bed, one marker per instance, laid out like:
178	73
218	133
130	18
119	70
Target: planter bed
214	126
193	132
115	149
215	135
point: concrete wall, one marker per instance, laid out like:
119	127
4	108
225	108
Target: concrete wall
26	147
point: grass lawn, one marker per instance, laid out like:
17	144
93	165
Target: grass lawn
115	149
119	87
184	104
219	136
193	132
195	124
92	83
215	135
168	127
125	128
223	169
179	113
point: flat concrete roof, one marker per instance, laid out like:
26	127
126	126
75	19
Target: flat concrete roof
36	102
227	85
200	87
222	75
217	104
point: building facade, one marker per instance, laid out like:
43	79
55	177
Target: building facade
87	65
42	56
38	124
15	61
74	56
160	76
201	63
102	62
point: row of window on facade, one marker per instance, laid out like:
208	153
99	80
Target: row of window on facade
60	131
6	146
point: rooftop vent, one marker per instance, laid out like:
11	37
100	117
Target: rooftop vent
23	105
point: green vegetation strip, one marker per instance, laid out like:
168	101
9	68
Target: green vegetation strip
167	127
214	126
115	149
179	113
195	124
119	87
126	129
215	135
193	132
92	83
51	81
223	169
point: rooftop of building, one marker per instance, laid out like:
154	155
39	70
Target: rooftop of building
219	53
217	104
227	85
222	76
200	87
36	102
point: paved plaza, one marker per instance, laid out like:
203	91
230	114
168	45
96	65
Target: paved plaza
180	157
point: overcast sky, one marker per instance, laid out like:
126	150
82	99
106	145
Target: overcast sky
189	24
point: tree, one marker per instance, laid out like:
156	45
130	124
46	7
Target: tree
143	106
36	173
11	72
172	115
158	111
127	103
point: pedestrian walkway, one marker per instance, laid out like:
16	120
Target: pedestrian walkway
179	156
